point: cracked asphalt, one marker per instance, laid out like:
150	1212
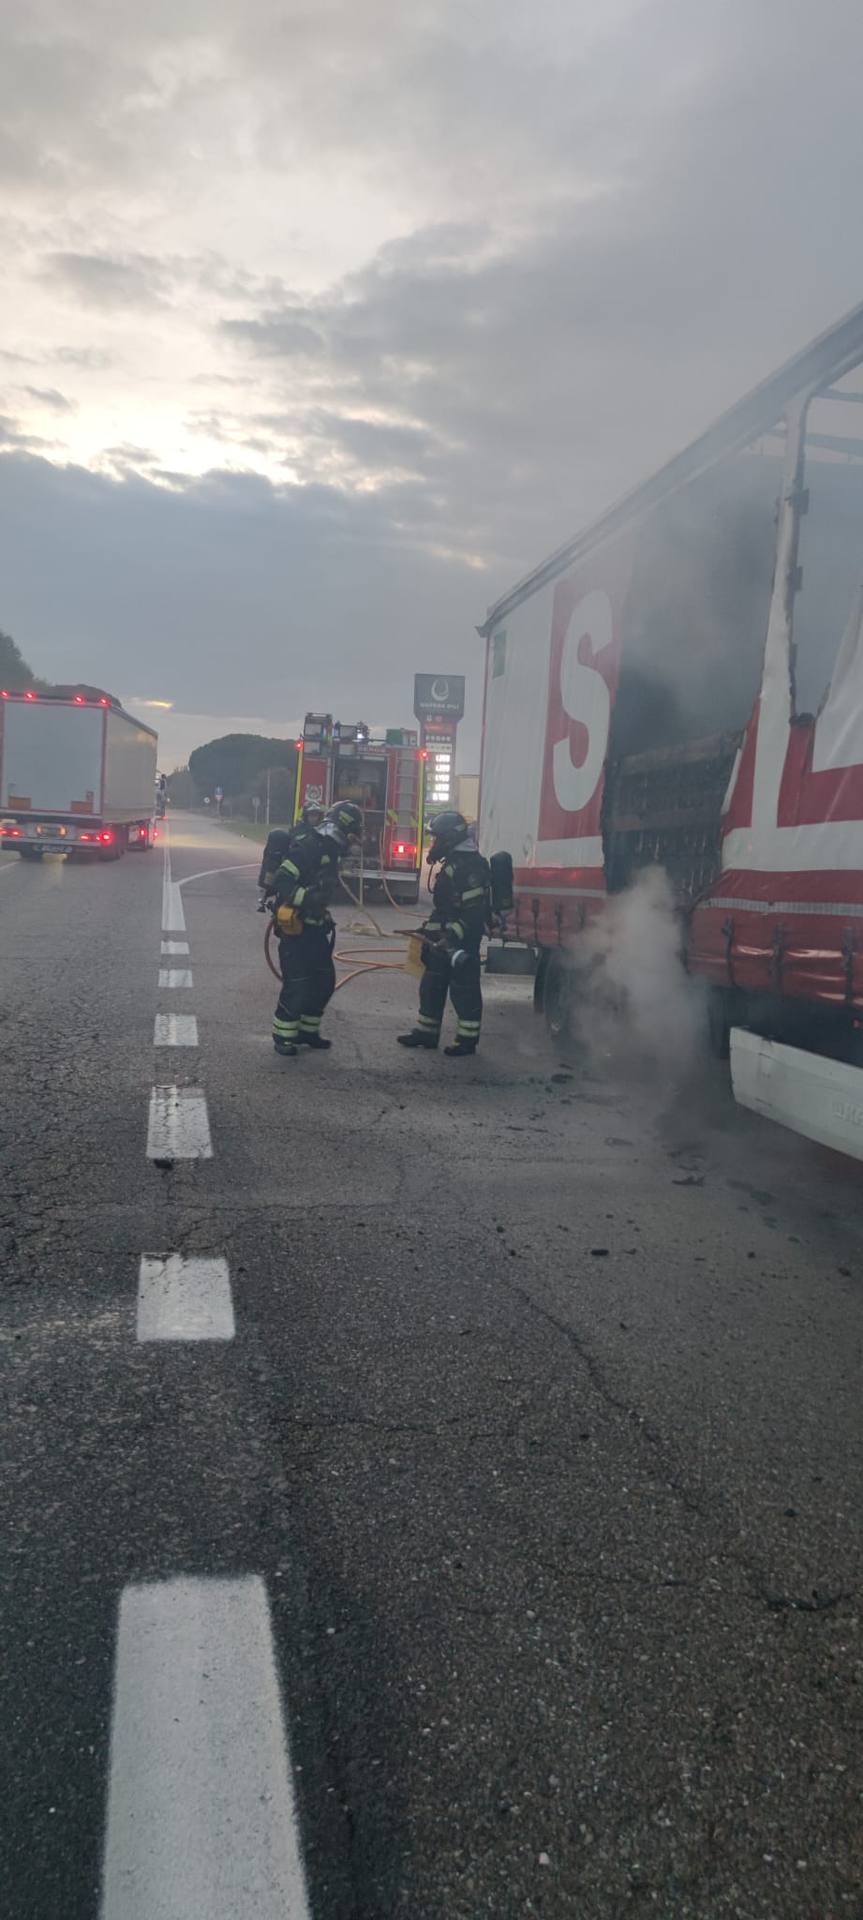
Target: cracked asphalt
541	1423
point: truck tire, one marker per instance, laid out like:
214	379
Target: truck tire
719	1023
118	847
30	853
555	985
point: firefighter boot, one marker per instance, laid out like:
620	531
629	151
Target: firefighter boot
461	1049
313	1040
418	1037
286	1048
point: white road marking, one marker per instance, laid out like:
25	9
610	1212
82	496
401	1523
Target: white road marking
238	866
8	866
175	976
202	1819
173	917
179	1127
184	1299
175	1030
175	946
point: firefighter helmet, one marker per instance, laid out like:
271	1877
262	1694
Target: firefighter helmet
446	830
344	821
312	813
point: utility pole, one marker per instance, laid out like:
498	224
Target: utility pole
267	815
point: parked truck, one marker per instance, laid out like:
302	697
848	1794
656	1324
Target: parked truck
682	685
77	776
386	778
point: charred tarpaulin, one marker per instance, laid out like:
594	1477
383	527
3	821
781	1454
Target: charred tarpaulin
664	808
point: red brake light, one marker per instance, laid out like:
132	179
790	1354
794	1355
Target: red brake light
106	837
12	833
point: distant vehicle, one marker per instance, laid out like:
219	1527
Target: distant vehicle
386	778
77	776
161	796
682	685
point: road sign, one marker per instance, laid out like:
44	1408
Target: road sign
439	695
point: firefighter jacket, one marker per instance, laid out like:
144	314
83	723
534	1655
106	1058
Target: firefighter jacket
307	877
460	899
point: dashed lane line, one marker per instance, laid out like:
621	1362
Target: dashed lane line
184	1298
175	1030
175	977
175	946
173	917
179	1126
201	1818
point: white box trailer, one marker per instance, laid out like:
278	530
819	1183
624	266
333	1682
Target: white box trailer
76	775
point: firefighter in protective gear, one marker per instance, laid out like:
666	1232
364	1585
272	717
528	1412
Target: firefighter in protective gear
454	931
278	843
303	887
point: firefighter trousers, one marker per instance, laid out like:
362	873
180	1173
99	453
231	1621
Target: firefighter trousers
464	990
308	983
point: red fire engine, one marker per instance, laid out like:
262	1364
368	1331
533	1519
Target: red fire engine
386	778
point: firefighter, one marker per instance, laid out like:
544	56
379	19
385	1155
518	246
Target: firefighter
278	842
454	931
303	887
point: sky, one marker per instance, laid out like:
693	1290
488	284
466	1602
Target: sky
324	320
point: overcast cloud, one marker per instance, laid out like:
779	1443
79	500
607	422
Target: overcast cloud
324	321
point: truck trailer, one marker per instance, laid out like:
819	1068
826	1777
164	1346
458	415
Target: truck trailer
77	776
682	685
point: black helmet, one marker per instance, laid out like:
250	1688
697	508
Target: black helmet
344	821
312	812
446	830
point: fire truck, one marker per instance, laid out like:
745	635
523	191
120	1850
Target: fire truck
682	685
386	778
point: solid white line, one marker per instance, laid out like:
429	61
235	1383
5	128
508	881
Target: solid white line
175	976
175	1030
202	1822
179	1127
184	1299
175	946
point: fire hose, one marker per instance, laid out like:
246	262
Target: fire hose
366	966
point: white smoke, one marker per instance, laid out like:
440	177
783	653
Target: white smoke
632	988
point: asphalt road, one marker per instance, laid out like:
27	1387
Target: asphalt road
524	1503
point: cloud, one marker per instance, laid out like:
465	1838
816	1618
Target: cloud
12	436
281	333
101	281
50	397
229	588
87	359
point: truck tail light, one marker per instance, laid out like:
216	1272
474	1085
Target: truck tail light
11	833
106	838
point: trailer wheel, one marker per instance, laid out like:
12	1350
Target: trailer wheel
117	848
719	1023
30	853
557	989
